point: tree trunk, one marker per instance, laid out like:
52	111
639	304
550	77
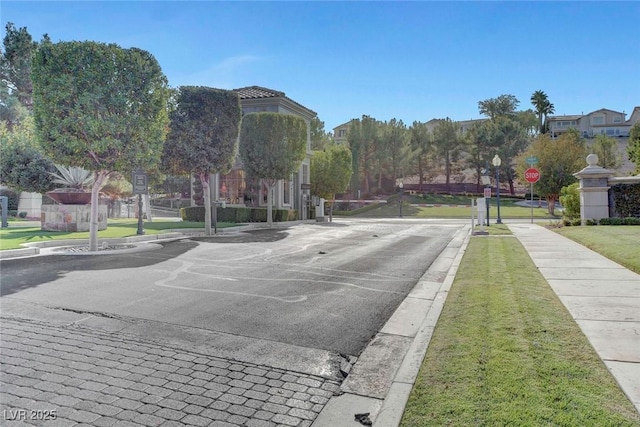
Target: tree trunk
420	178
270	187
333	202
95	199
551	204
447	169
204	180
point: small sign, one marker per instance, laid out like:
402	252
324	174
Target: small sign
139	181
532	175
487	193
533	160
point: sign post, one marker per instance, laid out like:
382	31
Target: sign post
139	180
532	175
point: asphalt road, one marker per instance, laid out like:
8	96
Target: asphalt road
321	286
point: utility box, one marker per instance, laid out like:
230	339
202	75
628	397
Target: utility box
482	207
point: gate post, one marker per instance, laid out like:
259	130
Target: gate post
594	190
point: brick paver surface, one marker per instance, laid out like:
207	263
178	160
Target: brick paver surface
65	376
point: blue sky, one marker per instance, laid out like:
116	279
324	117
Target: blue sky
408	60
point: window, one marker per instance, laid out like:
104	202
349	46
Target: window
597	120
342	133
617	119
286	191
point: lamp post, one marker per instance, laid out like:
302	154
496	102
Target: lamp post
496	163
400	186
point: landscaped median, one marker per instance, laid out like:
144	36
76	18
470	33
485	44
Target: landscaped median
506	352
14	236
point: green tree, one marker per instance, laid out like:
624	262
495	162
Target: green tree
100	107
448	145
15	64
503	105
23	166
393	138
511	140
362	137
203	136
633	147
272	147
421	143
607	151
542	106
331	171
319	138
528	120
558	160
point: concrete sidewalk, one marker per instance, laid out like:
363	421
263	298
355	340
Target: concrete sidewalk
603	297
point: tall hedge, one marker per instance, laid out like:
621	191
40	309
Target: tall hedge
626	199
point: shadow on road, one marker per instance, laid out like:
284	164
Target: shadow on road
20	274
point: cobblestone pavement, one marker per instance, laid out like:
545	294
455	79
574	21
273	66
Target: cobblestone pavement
66	376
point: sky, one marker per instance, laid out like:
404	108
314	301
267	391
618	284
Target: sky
413	61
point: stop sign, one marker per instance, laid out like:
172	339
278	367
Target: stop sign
532	175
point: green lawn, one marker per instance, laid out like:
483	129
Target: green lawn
506	352
620	243
508	209
13	236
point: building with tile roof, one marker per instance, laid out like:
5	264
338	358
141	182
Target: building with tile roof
293	193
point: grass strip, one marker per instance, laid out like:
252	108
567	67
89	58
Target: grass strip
390	210
14	236
506	352
619	243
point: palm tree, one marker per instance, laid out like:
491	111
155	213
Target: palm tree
542	106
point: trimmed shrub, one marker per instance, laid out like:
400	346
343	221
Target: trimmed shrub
620	221
570	200
626	199
238	214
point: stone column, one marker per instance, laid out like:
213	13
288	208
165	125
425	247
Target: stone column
594	190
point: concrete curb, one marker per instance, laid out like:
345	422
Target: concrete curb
381	380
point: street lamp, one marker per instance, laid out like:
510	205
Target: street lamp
400	186
496	163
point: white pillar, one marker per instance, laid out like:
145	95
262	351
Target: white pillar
594	190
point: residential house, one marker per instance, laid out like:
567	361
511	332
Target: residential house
340	132
600	122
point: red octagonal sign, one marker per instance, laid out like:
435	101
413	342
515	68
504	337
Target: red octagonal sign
532	175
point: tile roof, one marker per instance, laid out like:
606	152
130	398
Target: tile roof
255	92
259	92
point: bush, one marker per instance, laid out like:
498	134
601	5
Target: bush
239	214
626	199
22	215
620	221
571	221
570	200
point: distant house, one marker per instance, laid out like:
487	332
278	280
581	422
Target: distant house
600	122
292	193
340	132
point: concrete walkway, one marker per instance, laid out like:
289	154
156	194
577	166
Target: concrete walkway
603	297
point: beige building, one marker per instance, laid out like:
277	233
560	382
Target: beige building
600	122
340	132
292	193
